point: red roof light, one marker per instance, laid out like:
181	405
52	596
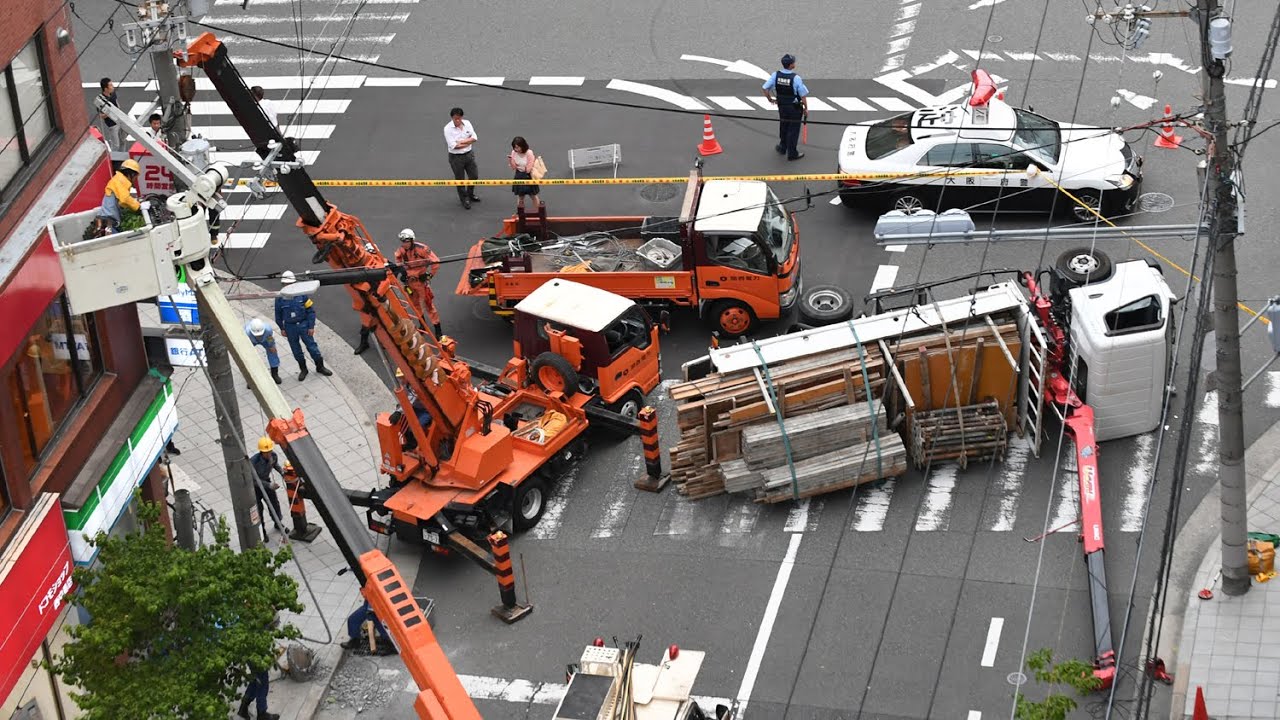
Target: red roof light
984	88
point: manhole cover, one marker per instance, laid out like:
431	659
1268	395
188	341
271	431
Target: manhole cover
1154	202
1017	679
659	192
995	38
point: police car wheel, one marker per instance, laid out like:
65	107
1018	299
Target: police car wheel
529	503
1083	265
1092	200
849	200
909	202
825	305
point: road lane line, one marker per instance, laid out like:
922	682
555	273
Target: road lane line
797	517
730	102
496	81
885	277
393	82
935	514
1208	419
766	623
681	101
975	715
993	642
1135	500
852	104
1273	390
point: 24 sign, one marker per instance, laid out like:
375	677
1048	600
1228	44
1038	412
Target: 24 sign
155	178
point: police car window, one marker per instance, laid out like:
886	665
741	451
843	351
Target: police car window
888	136
1038	136
949	155
736	252
999	157
1138	315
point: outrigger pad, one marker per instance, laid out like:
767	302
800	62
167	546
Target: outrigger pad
652	484
513	614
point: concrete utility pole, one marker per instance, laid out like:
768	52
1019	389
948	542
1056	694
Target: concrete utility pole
1223	227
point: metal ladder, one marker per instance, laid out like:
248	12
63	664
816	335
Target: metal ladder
1033	400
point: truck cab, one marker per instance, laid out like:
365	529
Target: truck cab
580	338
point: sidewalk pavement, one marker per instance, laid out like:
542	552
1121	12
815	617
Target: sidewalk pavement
340	414
1229	646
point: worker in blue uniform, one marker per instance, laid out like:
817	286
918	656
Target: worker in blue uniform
296	317
260	334
785	89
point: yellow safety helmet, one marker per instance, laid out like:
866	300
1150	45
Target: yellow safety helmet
265	444
130	164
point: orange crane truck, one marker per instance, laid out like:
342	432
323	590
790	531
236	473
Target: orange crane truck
733	255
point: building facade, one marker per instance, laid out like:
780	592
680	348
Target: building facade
83	420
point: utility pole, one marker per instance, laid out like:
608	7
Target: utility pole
1223	229
158	31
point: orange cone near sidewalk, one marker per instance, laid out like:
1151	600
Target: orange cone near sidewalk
709	146
1168	139
1201	712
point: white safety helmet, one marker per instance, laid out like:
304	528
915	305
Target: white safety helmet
257	327
287	277
407	234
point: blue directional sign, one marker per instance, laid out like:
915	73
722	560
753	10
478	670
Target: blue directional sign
180	308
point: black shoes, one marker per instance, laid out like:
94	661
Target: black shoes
466	204
302	371
320	368
475	199
364	341
275	375
781	150
797	157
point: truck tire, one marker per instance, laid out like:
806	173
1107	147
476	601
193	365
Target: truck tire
825	305
630	404
528	503
553	373
1082	265
731	318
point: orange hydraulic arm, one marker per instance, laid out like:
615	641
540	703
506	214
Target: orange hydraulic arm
440	382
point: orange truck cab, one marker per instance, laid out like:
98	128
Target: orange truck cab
733	255
583	339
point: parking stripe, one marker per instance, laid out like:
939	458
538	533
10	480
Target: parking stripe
730	102
885	277
993	642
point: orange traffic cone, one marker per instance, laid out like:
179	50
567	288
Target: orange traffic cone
709	146
1201	712
1168	139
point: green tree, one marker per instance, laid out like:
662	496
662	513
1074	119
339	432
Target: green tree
1056	705
173	633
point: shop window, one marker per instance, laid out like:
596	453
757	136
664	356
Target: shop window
26	117
50	374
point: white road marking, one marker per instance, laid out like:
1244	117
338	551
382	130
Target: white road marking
393	81
975	715
308	157
201	108
948	58
895	248
1135	500
741	67
900	33
897	80
730	102
817	105
1251	82
835	200
333	2
1010	483
803	515
267	19
872	507
1208	419
885	277
1142	102
935	513
323	40
287	82
986	55
549	526
254	212
558	80
1021	56
1273	390
892	104
852	104
1068	507
762	102
235	132
474	81
984	3
766	623
311	60
993	642
126	84
245	240
657	93
615	514
679	517
740	517
1062	57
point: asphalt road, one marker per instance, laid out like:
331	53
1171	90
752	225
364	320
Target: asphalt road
890	593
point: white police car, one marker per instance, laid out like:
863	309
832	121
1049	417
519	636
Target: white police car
986	156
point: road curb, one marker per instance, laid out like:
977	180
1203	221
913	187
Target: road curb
1195	559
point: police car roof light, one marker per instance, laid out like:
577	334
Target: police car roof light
984	88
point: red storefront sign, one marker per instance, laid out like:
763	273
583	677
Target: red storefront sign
39	279
34	579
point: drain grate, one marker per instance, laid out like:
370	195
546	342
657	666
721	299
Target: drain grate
1154	202
659	192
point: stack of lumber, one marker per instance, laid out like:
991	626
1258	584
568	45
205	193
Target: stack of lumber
974	431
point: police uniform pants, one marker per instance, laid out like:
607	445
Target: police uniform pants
789	117
421	295
299	338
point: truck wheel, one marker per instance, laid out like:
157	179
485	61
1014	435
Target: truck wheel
733	318
825	305
529	503
1083	265
553	373
630	404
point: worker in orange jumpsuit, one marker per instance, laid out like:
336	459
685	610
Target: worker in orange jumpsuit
420	264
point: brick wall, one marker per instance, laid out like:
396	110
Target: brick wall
20	20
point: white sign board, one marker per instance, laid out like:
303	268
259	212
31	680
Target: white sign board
182	354
154	177
62	352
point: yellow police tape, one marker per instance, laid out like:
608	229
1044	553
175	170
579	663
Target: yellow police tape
807	177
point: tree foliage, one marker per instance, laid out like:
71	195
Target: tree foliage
173	633
1073	674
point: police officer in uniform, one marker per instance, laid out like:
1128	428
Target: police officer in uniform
296	317
793	105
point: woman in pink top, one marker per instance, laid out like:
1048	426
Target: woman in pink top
521	160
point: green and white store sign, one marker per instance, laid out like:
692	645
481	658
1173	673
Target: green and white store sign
128	469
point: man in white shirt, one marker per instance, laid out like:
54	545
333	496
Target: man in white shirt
459	137
268	107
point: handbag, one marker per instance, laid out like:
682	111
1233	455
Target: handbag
539	170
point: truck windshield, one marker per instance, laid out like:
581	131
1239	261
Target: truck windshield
775	228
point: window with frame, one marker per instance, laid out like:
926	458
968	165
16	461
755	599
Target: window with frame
741	253
957	154
1142	314
991	156
26	115
49	375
